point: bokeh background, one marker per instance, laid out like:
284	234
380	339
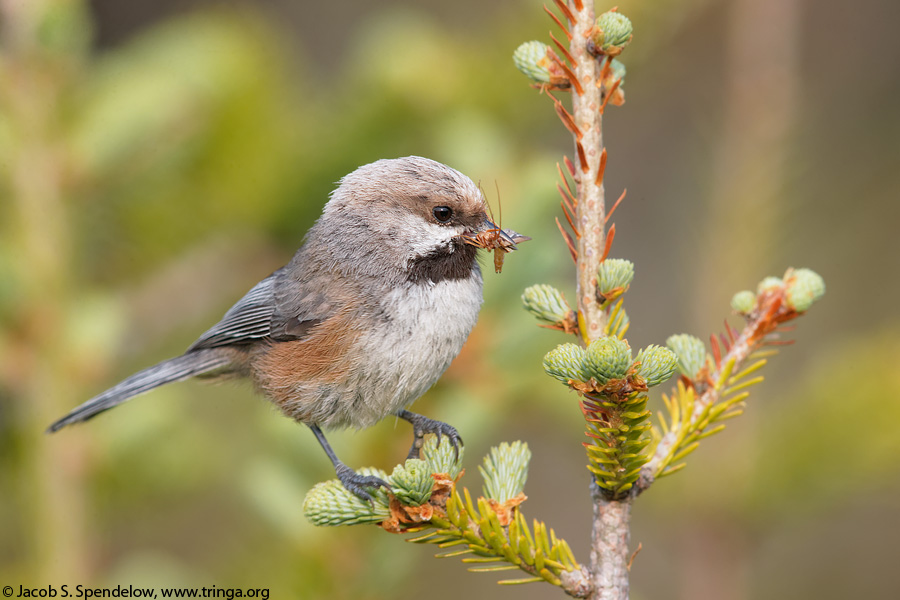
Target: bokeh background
157	158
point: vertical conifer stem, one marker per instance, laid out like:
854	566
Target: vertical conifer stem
609	540
590	210
609	546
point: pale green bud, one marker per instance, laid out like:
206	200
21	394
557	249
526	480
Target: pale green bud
691	353
769	284
531	59
566	362
613	274
329	504
613	32
657	364
546	303
743	302
804	287
607	358
505	471
442	458
412	482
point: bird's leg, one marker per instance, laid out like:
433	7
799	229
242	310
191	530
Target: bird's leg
350	479
422	425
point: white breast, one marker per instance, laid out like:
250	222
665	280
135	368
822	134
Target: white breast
406	355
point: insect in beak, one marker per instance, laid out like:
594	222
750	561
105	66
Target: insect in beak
501	241
506	235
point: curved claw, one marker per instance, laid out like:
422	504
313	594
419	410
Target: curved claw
422	425
357	484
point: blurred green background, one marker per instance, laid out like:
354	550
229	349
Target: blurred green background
159	158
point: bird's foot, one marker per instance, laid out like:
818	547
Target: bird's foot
357	484
423	425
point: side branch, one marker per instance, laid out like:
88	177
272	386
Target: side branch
733	359
712	391
577	583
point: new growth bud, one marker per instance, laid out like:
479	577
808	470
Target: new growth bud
613	277
769	284
803	287
607	358
412	482
657	364
531	58
690	352
743	302
615	74
616	70
612	32
442	458
546	303
330	503
505	471
566	362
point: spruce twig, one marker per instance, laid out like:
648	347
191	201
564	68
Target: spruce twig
717	393
625	452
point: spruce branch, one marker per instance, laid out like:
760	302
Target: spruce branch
612	386
625	452
712	390
486	532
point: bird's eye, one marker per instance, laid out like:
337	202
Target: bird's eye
442	213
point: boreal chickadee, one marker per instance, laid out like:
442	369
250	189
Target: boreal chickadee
363	320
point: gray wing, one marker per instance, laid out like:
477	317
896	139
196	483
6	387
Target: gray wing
277	308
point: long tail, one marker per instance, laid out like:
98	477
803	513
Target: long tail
175	369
